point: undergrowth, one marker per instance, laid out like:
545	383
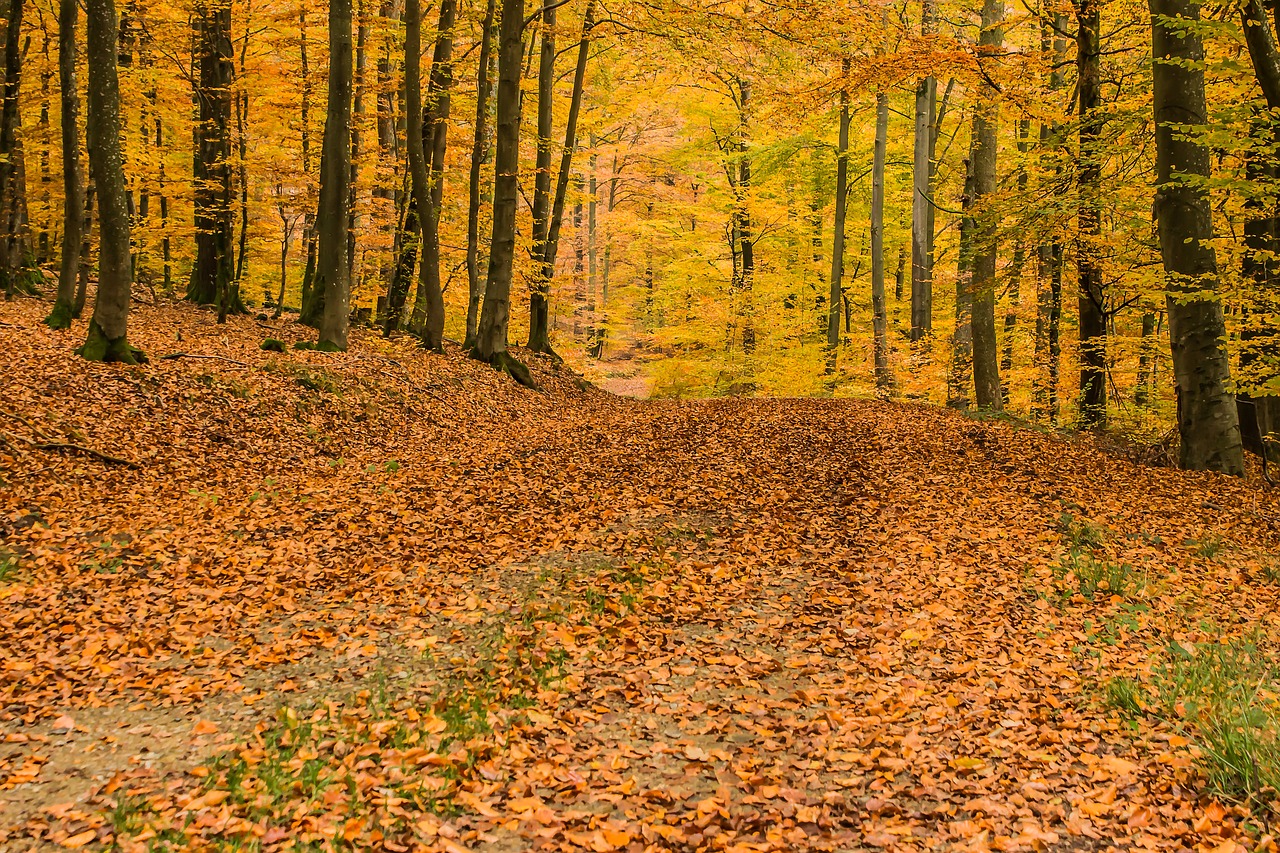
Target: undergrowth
1088	567
1226	696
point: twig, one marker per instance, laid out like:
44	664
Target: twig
39	433
80	448
173	355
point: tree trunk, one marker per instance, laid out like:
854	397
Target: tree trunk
72	187
242	168
837	237
358	113
1260	412
108	329
1207	418
570	143
428	307
746	229
409	235
879	316
1093	318
986	366
333	276
1016	267
479	153
495	314
540	290
12	191
961	375
922	192
214	271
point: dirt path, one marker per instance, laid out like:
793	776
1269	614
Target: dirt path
396	603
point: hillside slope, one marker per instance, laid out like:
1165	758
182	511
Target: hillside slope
389	600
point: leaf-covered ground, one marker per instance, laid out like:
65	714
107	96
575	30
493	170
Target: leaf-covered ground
387	600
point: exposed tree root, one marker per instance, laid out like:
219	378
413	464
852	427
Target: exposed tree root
507	363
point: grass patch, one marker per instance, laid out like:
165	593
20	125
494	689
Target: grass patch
9	565
1088	568
1225	694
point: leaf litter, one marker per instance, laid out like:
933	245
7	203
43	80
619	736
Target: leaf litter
391	601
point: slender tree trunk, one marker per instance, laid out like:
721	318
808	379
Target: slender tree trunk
961	375
1017	266
495	314
593	255
312	303
72	186
214	270
1093	318
108	329
409	235
479	153
746	228
1207	418
428	309
986	366
242	168
922	192
333	276
358	113
552	243
540	290
12	191
879	315
899	277
86	247
837	237
1259	411
1146	359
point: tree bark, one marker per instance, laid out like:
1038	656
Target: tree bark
108	329
986	366
1016	266
12	191
214	271
540	290
922	192
570	143
1093	318
961	374
495	314
333	276
428	306
837	237
479	153
879	316
1207	418
72	184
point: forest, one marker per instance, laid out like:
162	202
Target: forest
639	425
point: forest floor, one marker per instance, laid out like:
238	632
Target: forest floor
388	600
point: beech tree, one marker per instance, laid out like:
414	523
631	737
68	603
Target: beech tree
108	328
333	275
495	314
1207	419
65	308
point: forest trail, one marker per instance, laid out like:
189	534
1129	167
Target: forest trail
392	601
